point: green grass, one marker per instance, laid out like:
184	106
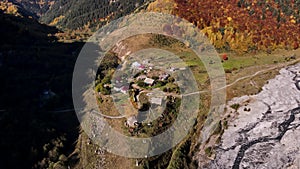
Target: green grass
179	157
238	62
208	151
235	106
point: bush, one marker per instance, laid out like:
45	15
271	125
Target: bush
218	128
159	84
180	157
103	90
208	151
235	106
162	40
225	124
141	83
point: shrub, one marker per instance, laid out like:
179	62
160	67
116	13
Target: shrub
235	106
225	124
218	128
208	151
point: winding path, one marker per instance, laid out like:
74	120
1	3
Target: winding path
106	116
261	71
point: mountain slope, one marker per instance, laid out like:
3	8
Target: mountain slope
37	7
241	25
75	14
32	63
14	9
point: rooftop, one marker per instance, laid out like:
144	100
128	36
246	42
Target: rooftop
149	81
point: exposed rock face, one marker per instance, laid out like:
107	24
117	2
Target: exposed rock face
267	135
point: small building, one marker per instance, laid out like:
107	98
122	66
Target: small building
156	100
48	94
173	69
124	89
45	96
117	89
164	77
149	81
108	85
142	67
224	57
132	121
135	65
141	77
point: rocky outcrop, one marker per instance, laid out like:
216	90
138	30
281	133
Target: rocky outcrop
266	132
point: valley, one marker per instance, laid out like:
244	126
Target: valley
258	46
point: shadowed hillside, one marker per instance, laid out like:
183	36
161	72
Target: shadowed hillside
36	7
36	73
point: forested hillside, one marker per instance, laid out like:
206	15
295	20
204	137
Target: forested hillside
36	7
14	9
75	14
241	25
36	68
